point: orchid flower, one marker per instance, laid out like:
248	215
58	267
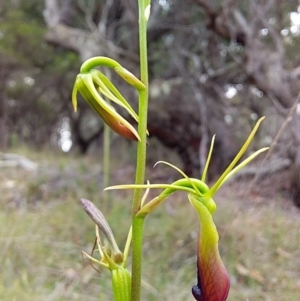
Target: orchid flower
94	86
213	280
111	256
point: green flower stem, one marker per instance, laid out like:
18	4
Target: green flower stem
136	269
137	222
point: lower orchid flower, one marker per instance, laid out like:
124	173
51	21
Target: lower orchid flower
111	256
213	281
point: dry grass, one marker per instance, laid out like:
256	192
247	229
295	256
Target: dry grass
43	229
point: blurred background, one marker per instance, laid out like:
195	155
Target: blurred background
215	67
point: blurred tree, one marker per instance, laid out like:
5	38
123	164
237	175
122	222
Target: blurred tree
214	66
36	79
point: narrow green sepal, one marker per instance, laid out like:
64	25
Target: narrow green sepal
130	78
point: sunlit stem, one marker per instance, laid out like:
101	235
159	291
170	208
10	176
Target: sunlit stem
208	159
217	185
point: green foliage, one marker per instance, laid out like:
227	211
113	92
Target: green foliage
21	39
23	44
31	9
35	76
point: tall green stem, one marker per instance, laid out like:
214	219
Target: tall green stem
137	222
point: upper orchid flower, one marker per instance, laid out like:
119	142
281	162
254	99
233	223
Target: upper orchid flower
93	85
213	279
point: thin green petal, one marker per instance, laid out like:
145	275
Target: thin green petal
217	185
119	96
208	158
181	172
244	163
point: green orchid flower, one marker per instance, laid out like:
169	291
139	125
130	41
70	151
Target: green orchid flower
111	256
213	279
94	86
